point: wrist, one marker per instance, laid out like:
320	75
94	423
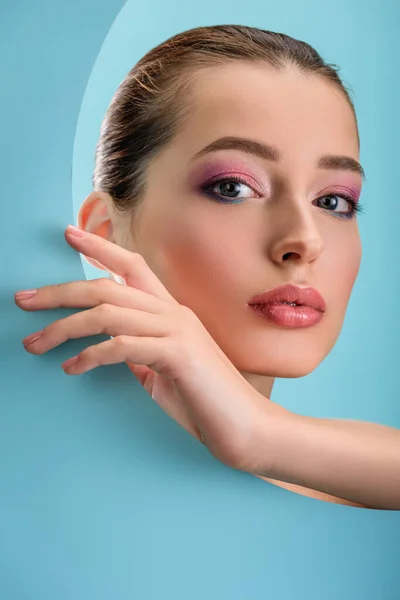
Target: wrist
268	444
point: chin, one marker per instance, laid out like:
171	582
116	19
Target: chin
285	354
282	370
289	363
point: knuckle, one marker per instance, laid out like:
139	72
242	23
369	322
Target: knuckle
120	342
103	289
136	263
186	311
138	258
104	283
187	316
104	310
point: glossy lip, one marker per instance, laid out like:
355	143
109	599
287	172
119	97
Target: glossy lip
290	293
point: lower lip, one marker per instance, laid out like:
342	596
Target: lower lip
288	316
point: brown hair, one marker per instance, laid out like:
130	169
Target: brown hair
149	105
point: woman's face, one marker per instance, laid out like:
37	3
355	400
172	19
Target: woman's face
216	245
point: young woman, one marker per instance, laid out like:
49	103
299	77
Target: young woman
226	188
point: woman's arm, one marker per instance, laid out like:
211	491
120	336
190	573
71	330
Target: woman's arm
354	460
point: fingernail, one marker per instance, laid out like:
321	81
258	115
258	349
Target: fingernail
75	231
25	294
31	338
69	362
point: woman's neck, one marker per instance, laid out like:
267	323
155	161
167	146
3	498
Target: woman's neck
261	383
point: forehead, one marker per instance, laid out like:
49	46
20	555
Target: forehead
297	112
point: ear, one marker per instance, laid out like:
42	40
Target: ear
94	216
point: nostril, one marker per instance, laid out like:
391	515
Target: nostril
288	255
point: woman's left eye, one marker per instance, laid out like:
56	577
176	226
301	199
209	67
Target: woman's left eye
341	205
230	190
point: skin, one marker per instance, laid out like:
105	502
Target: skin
213	257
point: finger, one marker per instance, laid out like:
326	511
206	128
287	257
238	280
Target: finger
87	294
143	374
140	350
104	319
131	266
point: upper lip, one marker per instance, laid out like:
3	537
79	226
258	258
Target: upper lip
305	296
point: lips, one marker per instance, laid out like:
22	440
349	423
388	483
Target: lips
289	295
289	306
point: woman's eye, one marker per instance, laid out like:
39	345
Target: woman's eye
336	203
231	189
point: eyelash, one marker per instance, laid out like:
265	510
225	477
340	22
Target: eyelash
356	207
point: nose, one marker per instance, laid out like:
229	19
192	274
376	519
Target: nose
296	236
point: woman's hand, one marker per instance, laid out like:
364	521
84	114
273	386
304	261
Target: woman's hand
164	343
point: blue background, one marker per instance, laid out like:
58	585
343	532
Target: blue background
102	495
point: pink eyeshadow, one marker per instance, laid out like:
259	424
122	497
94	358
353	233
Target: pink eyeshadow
345	187
219	167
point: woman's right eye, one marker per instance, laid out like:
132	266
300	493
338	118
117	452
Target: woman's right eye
230	190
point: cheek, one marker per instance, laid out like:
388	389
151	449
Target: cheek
196	250
202	258
343	267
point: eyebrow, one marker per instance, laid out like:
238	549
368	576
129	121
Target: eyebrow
269	152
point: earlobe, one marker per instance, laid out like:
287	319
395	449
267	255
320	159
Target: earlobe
94	216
